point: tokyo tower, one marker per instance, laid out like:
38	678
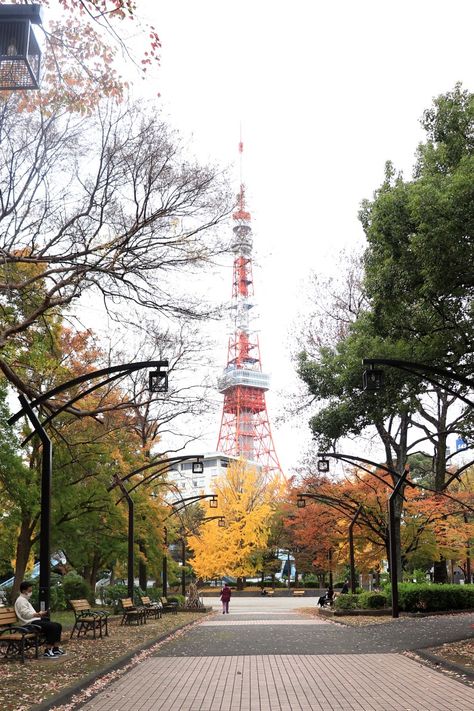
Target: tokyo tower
245	429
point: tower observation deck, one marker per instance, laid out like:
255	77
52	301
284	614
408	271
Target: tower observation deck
245	428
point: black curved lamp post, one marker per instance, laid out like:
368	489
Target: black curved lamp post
105	376
393	547
301	503
182	504
159	468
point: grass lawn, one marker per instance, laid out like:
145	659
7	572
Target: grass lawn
46	677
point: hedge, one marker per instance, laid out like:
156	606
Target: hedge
372	600
76	588
347	602
413	597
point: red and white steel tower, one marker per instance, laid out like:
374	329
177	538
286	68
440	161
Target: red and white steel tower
245	428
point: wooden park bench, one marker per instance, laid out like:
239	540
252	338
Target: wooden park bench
131	613
15	637
88	620
328	603
299	593
152	608
169	606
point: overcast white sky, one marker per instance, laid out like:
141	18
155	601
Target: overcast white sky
326	93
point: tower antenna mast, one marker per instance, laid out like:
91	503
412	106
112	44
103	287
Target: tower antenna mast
245	427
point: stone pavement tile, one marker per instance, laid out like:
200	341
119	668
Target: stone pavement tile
352	682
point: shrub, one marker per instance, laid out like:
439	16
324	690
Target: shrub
76	588
113	593
372	600
176	598
57	599
346	602
414	597
154	593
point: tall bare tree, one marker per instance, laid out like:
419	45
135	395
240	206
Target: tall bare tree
107	204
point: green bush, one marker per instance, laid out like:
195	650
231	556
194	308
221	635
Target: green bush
113	593
76	588
176	598
154	593
372	600
57	599
413	597
346	602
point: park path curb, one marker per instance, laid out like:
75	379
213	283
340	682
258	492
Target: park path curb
463	674
64	696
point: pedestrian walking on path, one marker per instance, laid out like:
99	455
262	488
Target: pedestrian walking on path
226	593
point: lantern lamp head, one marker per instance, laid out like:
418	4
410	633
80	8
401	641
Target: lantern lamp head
221	522
20	52
372	379
158	379
198	467
213	502
323	465
301	501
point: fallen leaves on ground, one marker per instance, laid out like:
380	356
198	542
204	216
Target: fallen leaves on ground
457	652
352	620
48	677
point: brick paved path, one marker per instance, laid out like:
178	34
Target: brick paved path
177	679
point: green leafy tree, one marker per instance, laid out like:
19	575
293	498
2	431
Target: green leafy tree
418	304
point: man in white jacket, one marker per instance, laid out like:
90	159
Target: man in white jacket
27	615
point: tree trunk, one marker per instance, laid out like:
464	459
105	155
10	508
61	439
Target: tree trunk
142	571
440	572
400	450
23	550
467	575
96	565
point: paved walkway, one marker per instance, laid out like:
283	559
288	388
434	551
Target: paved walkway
241	662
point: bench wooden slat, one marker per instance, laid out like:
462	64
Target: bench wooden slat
16	639
8	616
131	612
88	620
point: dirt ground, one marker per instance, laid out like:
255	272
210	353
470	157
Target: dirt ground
457	652
83	657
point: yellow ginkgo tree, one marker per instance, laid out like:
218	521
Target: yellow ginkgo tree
247	500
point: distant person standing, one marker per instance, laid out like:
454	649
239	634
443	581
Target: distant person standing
226	593
345	588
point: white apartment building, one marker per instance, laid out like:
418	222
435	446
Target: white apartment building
189	484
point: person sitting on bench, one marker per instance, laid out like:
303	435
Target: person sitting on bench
327	598
27	615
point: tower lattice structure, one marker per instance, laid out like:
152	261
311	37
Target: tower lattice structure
245	428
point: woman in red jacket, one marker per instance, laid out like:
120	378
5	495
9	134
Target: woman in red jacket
226	592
